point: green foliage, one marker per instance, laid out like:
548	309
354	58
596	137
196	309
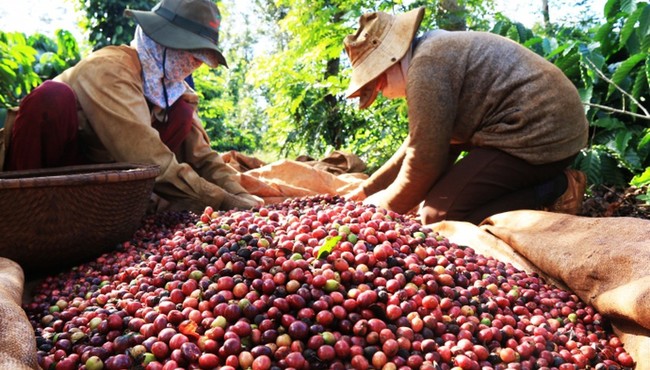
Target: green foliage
617	74
26	61
642	178
215	107
304	76
610	65
283	93
106	23
17	77
54	55
230	106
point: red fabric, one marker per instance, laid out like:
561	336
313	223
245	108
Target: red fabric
45	132
178	124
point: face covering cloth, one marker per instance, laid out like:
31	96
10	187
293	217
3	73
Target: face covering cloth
161	65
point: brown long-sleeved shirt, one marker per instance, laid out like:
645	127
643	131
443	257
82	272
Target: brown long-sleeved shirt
483	90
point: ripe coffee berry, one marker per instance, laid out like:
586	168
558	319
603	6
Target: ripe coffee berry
309	280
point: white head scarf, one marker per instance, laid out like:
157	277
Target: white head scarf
178	64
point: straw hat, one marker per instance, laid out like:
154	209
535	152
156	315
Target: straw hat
184	25
381	41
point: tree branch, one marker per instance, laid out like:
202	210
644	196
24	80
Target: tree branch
608	80
622	111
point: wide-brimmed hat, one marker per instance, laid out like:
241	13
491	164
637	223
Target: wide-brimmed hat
184	25
381	41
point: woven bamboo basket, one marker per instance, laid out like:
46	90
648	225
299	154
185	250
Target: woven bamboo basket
58	217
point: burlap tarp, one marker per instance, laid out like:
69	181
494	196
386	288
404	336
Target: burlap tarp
338	173
337	162
604	261
17	342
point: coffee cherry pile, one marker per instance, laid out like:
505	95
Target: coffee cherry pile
310	283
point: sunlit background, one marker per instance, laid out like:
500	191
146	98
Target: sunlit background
32	16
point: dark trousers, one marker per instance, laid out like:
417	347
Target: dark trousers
45	133
489	181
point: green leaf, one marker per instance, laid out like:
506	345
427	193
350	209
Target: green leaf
644	20
522	32
586	94
641	179
644	198
645	140
501	28
559	50
620	144
632	160
627	6
639	89
589	162
611	9
328	247
647	69
547	47
604	36
624	69
7	71
531	42
629	26
570	64
600	166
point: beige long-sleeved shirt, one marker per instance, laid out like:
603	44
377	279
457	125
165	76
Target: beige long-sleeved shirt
483	90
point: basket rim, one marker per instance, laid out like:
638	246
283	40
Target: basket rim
103	173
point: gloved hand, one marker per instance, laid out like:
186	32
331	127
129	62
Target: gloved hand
205	193
241	201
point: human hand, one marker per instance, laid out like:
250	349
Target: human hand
253	199
242	201
377	199
357	194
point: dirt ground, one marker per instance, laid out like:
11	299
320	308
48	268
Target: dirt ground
602	201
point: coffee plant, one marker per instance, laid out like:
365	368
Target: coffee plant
105	21
17	75
26	61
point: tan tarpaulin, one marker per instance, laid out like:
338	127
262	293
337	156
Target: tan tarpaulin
338	173
17	342
604	261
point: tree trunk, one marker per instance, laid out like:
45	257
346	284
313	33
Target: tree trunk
545	14
334	121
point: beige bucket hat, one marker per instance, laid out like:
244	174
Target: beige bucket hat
184	25
381	41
